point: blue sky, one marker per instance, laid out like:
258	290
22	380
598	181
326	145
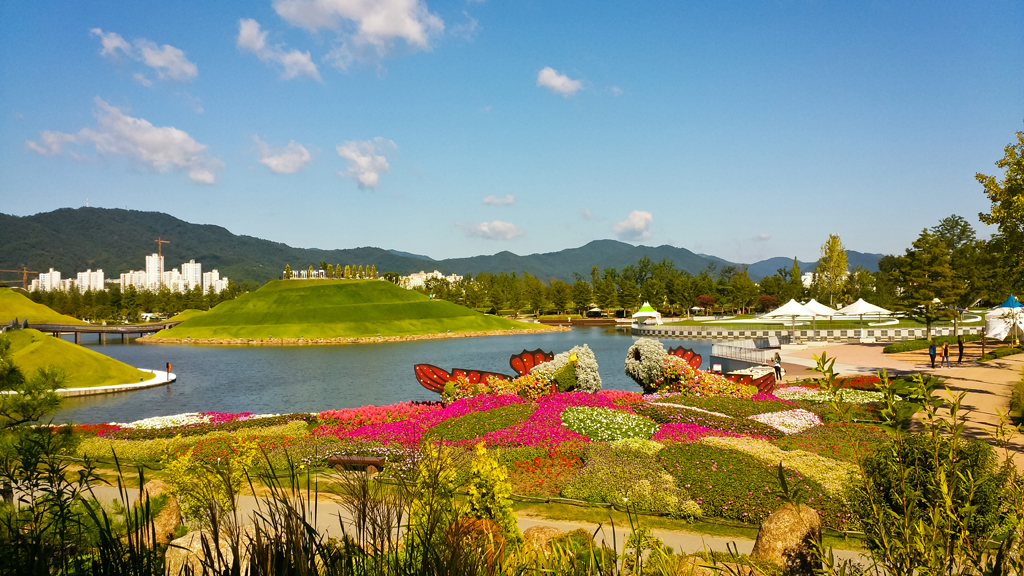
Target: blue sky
740	129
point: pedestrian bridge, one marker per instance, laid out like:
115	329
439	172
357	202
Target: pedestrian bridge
101	331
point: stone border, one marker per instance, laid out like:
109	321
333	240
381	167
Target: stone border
323	341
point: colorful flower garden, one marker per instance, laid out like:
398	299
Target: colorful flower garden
693	445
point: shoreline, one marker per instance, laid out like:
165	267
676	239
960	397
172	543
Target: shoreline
330	341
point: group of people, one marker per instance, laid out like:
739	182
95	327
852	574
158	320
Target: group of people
932	352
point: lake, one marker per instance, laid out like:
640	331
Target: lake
278	380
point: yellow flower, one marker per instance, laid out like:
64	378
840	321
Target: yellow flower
573	358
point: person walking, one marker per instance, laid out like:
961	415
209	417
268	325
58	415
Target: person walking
931	352
945	355
777	361
960	345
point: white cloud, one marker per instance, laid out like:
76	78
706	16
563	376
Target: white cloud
493	200
636	226
763	236
287	160
558	83
496	230
162	148
586	214
366	160
293	63
141	79
367	30
616	91
466	30
168	61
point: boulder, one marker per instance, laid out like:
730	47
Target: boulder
538	538
188	551
168	520
787	538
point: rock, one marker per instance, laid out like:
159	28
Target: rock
787	538
166	522
188	551
538	538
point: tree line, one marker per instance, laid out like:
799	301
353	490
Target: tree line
336	271
127	305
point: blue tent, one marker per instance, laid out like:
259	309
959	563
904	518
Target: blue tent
1011	302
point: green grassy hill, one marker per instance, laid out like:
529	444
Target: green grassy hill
16	305
187	314
334	309
31	350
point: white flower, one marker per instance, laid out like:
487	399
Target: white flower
789	421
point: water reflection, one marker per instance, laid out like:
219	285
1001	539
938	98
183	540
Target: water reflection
314	378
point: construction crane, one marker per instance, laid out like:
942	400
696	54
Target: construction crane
159	245
24	276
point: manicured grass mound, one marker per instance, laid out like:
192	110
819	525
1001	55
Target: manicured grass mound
31	350
735	407
16	305
187	314
335	309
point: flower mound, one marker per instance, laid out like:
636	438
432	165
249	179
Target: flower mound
690	433
367	415
848	395
544	428
587	377
789	421
607	424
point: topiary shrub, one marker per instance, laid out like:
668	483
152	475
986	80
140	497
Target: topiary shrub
489	490
644	362
627	473
587	377
476	424
607	424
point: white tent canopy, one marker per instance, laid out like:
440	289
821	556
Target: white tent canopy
862	308
819	309
648	311
791	309
1003	323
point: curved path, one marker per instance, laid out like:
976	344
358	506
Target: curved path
162	377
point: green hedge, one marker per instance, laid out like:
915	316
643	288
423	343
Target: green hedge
999	353
1017	400
911	345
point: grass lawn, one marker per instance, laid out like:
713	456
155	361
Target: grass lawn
186	315
16	305
335	309
31	350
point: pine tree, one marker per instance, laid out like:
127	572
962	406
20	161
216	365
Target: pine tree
373	271
348	272
287	272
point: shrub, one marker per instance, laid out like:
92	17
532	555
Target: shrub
476	424
1017	399
644	362
669	414
205	492
1000	353
911	345
627	472
735	486
914	473
848	442
489	490
607	424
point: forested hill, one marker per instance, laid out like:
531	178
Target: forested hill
71	240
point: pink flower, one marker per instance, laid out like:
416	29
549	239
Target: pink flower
690	433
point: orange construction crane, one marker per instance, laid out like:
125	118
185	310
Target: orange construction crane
24	276
160	244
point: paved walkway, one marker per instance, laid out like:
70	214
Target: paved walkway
987	386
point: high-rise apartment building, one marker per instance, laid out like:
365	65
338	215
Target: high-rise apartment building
154	271
191	274
90	280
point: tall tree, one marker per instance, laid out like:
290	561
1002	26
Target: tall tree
535	292
1007	209
348	271
287	272
926	280
373	271
832	270
515	293
330	271
744	291
582	295
560	293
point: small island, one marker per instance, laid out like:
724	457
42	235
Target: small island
322	311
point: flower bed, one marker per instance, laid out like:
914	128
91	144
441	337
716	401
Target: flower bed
848	442
671	433
544	428
740	426
467	429
544	475
730	406
817	395
607	424
366	415
196	424
790	421
833	475
730	484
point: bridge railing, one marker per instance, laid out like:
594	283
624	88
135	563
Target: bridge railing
756	355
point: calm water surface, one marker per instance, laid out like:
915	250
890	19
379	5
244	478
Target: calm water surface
310	379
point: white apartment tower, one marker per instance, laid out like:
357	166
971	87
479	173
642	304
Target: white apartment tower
49	280
192	274
90	280
154	271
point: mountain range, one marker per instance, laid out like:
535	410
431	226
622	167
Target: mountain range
116	240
